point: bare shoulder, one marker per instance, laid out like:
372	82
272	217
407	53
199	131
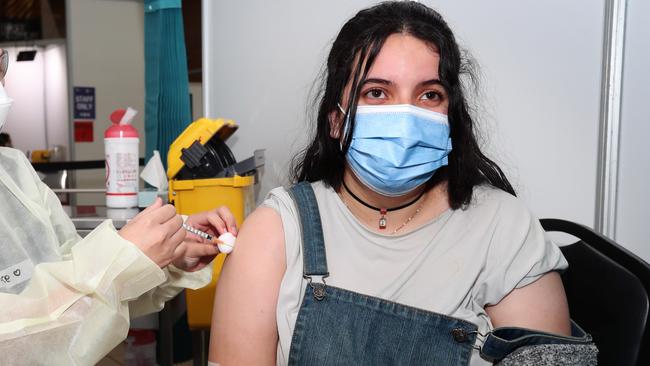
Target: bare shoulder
261	236
258	257
247	293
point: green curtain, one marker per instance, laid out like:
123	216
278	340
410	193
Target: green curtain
167	105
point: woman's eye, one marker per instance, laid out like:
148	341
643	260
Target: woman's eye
375	93
432	95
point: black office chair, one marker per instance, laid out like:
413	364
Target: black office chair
607	288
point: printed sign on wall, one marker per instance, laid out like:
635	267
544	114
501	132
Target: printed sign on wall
84	102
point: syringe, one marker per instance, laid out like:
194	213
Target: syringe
225	242
198	232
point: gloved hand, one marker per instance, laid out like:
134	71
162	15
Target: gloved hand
199	252
158	232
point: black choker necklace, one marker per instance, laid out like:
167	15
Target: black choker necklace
382	211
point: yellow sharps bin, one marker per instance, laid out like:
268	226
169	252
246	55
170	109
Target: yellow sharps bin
191	192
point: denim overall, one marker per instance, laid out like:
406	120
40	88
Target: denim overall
340	327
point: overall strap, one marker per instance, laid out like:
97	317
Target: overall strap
313	244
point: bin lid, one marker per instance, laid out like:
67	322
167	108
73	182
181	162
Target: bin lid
201	130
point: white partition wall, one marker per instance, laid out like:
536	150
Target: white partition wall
540	64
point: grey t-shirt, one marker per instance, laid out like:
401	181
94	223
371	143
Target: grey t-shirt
456	264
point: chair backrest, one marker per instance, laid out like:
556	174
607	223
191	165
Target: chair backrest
607	289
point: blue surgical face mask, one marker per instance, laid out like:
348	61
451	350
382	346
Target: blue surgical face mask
397	148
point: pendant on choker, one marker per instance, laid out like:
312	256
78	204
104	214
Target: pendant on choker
382	219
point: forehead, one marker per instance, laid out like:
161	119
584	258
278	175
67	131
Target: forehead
405	58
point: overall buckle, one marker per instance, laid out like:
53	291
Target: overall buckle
319	288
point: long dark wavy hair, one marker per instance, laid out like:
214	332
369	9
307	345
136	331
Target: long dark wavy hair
361	38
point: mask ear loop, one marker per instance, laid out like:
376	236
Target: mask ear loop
346	126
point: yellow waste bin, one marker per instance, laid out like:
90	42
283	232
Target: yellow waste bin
192	195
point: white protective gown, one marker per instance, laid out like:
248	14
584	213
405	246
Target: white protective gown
65	300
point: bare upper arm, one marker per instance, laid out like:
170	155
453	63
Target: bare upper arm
541	305
244	328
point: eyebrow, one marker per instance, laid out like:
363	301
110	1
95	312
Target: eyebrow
430	82
377	81
388	82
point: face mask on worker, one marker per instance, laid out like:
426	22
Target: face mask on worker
5	105
397	148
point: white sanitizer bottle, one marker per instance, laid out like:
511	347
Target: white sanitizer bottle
121	143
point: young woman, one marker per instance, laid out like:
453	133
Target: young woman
403	243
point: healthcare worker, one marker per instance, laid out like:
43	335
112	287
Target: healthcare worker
65	300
